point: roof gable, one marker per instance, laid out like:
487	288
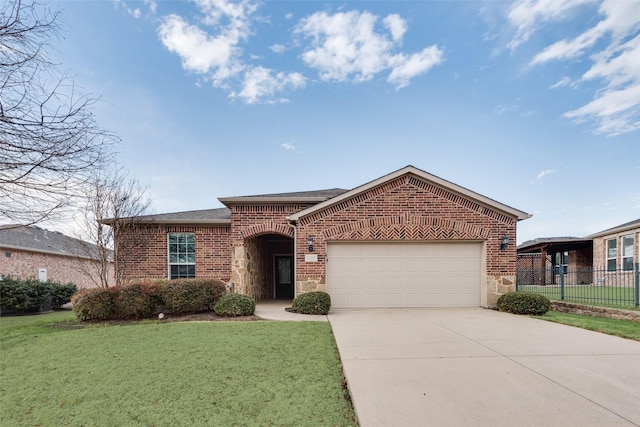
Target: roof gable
411	170
618	228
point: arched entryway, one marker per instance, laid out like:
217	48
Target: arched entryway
269	267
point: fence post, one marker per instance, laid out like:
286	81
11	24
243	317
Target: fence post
637	285
561	271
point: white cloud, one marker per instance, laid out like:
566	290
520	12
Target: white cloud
565	81
407	67
199	51
348	46
396	25
213	47
612	44
545	173
278	48
262	83
288	146
528	15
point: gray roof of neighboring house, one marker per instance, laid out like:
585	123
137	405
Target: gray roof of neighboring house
36	239
542	241
618	228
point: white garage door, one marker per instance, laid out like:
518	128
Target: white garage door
389	274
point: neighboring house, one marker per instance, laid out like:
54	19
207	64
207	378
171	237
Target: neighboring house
33	252
617	248
408	238
540	260
588	259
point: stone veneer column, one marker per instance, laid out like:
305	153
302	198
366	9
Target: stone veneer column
238	269
498	285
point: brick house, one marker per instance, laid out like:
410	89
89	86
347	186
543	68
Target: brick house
605	257
35	253
408	238
617	248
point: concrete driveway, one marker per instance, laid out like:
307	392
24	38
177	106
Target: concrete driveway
477	367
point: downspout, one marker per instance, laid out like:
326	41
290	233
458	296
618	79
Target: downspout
292	224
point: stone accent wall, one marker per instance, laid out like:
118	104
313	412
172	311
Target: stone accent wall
409	208
25	265
588	310
498	286
141	252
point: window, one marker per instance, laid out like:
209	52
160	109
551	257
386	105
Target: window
627	252
612	254
562	259
182	255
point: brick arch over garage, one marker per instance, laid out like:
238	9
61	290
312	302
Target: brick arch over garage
265	228
407	227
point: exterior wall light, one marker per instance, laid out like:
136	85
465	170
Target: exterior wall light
310	243
504	243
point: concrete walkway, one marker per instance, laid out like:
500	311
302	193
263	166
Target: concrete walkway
275	310
476	367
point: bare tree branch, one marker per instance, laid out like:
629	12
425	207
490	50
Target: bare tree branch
50	142
113	203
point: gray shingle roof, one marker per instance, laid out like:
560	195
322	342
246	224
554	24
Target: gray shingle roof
327	194
550	240
36	239
223	215
219	214
618	228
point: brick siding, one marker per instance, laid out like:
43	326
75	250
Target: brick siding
64	269
141	251
407	209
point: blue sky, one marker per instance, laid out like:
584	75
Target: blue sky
534	103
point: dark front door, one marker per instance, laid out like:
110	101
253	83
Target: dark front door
284	277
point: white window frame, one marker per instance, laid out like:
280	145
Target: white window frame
625	255
562	262
609	258
189	257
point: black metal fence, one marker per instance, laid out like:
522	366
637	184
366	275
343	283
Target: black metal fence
618	288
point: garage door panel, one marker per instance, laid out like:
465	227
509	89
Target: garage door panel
390	274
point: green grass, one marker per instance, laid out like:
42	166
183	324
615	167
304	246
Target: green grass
602	296
170	374
622	328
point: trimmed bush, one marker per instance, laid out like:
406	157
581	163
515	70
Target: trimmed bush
524	303
235	305
23	296
61	294
312	303
136	301
184	296
95	304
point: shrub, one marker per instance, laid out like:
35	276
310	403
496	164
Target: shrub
61	294
136	301
312	303
95	304
235	305
23	296
524	303
183	296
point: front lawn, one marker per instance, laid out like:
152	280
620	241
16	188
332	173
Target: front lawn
170	374
622	328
